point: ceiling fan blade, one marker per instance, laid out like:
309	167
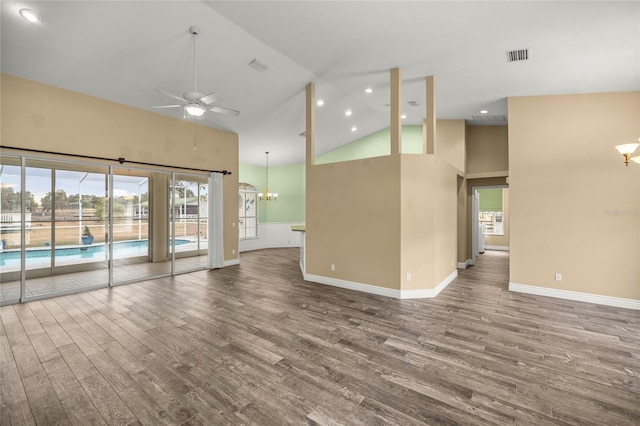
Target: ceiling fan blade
210	98
222	110
171	95
167	106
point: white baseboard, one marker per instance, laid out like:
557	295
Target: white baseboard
351	285
465	264
576	296
501	248
383	291
429	292
231	262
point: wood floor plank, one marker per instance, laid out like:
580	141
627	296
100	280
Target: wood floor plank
255	344
106	400
14	405
76	402
43	400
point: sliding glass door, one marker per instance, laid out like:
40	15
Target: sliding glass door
11	228
82	226
190	214
131	243
67	233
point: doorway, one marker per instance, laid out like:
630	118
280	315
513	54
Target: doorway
489	219
68	226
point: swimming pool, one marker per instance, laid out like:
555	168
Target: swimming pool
41	257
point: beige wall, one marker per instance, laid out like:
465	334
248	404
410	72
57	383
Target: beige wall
487	151
574	205
450	143
382	218
429	221
353	221
42	117
463	252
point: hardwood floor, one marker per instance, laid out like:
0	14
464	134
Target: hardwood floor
254	344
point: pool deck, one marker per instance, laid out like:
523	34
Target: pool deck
78	281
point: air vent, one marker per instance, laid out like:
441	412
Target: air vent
484	118
303	134
518	55
413	103
259	65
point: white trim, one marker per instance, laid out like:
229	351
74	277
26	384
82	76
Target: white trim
383	291
215	228
351	285
271	235
465	264
429	292
231	262
500	248
577	296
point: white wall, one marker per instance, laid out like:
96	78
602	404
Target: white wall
272	235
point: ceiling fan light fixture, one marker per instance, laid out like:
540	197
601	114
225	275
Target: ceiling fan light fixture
29	15
195	110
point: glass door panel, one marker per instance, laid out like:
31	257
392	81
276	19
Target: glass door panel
191	217
11	228
66	246
81	225
131	248
39	232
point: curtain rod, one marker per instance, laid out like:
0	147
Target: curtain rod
120	160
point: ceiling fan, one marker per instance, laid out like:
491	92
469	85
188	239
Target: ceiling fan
195	103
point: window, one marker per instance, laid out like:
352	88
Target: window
248	211
491	214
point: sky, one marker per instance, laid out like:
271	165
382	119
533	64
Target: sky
38	182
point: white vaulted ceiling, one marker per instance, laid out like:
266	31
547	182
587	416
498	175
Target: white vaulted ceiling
124	50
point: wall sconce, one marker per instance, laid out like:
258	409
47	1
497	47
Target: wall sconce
626	150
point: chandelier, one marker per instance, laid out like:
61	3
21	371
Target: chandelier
266	195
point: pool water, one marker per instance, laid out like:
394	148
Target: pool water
67	255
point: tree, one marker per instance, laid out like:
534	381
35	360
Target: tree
11	200
62	201
101	207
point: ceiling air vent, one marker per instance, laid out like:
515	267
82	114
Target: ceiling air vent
303	134
484	118
413	103
518	55
259	65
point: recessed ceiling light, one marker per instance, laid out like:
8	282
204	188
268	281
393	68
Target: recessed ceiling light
368	90
29	15
484	111
347	112
320	102
403	116
354	128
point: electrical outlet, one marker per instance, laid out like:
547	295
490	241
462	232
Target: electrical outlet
233	224
333	267
233	251
558	277
408	277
